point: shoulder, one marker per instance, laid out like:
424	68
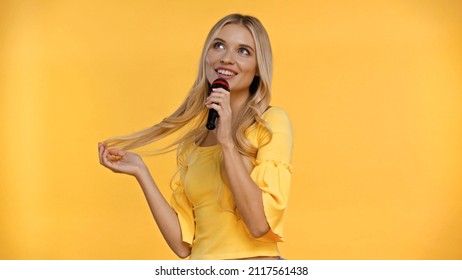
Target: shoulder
275	121
277	117
276	142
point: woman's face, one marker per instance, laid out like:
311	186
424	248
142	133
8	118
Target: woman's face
231	56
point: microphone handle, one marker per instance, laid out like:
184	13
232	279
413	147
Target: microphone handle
213	115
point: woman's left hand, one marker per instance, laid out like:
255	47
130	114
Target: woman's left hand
219	99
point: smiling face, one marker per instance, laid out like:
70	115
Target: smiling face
232	56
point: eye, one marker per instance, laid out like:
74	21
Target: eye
244	51
218	45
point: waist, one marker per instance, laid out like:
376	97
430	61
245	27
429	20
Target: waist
222	235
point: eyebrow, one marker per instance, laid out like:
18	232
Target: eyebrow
241	45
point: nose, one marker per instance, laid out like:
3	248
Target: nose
227	57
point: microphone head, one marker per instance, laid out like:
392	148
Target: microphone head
220	83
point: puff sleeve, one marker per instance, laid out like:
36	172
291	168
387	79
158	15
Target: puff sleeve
182	206
272	170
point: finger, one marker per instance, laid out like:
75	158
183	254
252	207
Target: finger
104	157
109	159
221	90
216	100
117	154
222	94
114	157
108	156
215	106
101	149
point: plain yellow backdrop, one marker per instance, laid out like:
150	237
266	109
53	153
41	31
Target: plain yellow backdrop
374	90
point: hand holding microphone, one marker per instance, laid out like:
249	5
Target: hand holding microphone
213	114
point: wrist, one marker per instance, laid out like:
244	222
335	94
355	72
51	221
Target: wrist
141	173
228	147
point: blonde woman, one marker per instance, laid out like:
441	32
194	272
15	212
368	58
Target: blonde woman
234	181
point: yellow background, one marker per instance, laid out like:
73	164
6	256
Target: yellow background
374	90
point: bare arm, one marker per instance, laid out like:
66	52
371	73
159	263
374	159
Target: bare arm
130	163
247	194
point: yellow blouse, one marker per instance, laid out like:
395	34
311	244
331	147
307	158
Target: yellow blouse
204	203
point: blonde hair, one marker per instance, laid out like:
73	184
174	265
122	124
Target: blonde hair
193	112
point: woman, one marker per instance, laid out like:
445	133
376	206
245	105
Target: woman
234	181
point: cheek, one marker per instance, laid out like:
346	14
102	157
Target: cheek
210	60
251	66
211	56
252	69
208	66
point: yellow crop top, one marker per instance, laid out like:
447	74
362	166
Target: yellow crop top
205	205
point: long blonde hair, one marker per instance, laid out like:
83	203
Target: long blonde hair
193	112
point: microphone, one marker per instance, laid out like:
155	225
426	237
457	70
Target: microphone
213	114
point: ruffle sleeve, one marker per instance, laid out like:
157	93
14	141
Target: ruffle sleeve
182	206
272	171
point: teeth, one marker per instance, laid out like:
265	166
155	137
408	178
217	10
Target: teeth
225	72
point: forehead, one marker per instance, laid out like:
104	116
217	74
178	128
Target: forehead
236	33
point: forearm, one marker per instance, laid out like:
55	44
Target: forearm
164	215
247	195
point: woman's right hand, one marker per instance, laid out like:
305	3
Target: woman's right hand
120	161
